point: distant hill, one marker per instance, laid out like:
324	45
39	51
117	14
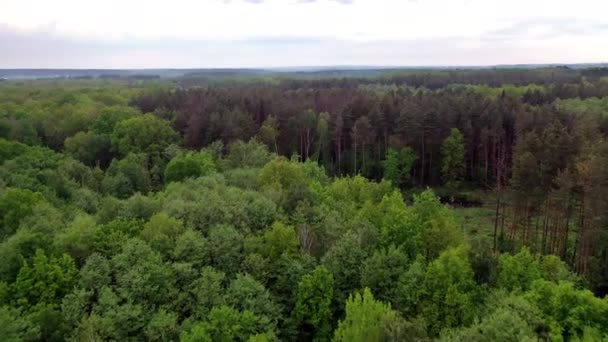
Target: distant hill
327	71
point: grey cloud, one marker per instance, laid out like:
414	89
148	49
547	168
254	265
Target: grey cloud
46	49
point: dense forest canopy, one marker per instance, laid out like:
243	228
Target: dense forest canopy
403	205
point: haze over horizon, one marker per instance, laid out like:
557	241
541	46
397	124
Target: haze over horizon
295	33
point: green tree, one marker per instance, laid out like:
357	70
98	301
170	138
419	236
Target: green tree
45	281
247	294
344	261
453	163
223	324
15	205
313	311
127	176
280	239
366	319
247	154
381	273
502	325
88	147
517	272
448	291
150	283
269	132
15	328
226	249
186	165
398	165
143	134
161	233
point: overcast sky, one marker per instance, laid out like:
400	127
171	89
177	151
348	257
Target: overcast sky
275	33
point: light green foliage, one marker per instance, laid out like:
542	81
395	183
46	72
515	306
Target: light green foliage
367	320
15	205
10	149
394	222
110	116
223	324
572	310
142	134
46	280
357	190
313	304
519	271
448	291
269	132
111	236
265	337
452	159
436	224
36	170
186	165
244	209
280	239
398	165
592	105
250	154
16	328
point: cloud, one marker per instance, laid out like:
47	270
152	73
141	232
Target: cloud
45	48
344	2
546	28
249	1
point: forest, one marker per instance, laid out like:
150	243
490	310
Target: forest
398	205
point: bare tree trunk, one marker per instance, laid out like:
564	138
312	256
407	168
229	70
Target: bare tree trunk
496	222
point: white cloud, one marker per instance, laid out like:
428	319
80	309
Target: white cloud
216	33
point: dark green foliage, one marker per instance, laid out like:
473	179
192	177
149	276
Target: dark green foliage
127	176
89	148
381	273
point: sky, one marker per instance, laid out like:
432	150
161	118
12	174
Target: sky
291	33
